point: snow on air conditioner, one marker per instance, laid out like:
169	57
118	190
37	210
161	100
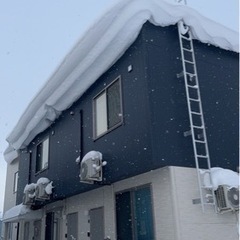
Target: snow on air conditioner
43	189
29	194
225	184
37	191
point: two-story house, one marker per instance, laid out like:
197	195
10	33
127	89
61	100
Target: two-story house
117	144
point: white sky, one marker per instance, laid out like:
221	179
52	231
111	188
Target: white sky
35	37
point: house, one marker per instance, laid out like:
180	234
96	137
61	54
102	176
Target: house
105	150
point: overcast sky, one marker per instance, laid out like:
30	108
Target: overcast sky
35	37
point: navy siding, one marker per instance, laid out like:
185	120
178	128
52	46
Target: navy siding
218	72
169	116
128	147
218	78
154	112
23	180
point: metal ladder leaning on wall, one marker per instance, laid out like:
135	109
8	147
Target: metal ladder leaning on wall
197	125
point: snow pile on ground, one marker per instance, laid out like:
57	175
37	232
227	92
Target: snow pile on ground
92	56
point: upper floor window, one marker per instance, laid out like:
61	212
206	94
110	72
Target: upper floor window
15	182
107	108
42	155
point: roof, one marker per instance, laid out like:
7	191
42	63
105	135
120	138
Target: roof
91	57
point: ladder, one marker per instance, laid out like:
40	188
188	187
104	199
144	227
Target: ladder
197	125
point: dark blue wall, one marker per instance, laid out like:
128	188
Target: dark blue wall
167	100
154	112
218	72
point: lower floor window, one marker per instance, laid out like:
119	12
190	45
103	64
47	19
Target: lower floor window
134	214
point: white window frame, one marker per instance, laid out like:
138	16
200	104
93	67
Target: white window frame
15	183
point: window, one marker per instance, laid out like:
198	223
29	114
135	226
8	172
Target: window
15	182
107	109
134	214
42	155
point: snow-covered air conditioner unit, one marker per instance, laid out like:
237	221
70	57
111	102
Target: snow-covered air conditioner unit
27	200
29	194
41	193
91	167
227	198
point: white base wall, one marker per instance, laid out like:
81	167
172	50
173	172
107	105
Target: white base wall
191	221
175	216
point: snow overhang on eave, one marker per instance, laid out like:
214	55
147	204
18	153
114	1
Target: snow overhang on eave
91	57
21	212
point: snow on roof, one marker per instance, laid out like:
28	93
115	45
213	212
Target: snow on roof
21	212
92	56
16	211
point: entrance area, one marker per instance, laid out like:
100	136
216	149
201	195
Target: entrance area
52	230
134	214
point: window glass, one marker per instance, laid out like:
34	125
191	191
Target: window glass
45	151
143	214
42	155
101	114
108	109
114	104
124	216
134	214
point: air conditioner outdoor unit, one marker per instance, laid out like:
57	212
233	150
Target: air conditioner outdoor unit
91	170
41	193
227	198
27	200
